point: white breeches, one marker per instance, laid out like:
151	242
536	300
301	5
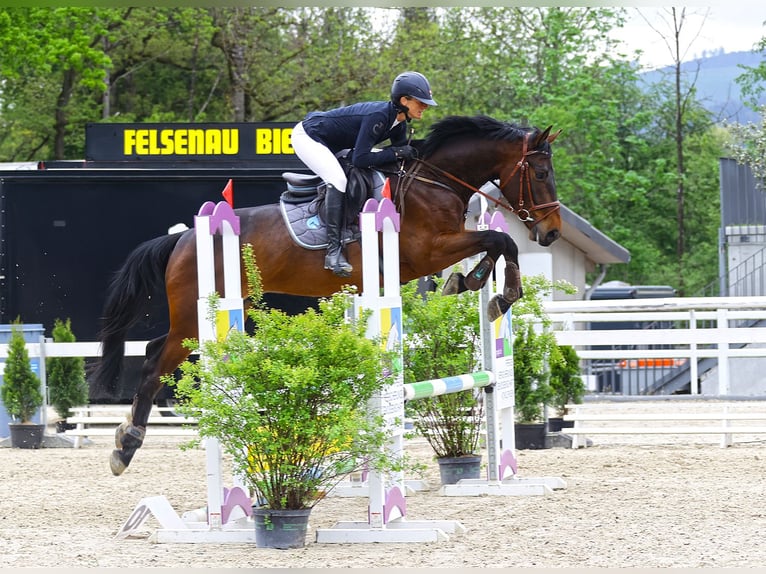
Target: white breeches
318	158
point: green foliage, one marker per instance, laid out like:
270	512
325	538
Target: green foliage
289	403
21	387
535	351
442	339
747	145
67	386
566	383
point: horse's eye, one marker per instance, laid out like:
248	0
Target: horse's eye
541	174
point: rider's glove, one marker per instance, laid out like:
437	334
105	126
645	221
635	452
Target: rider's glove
405	152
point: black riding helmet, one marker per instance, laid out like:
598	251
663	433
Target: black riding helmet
414	85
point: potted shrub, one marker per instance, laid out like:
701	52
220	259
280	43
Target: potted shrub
67	386
21	393
289	404
442	339
567	386
535	351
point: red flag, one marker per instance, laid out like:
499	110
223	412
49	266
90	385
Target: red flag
387	189
228	193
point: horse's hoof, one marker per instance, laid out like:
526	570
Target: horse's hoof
497	307
116	463
452	284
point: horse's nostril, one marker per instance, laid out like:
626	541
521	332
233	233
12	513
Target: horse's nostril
549	237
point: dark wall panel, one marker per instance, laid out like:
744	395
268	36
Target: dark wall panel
65	233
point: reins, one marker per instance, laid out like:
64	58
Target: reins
524	214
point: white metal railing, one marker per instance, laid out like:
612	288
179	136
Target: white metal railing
691	328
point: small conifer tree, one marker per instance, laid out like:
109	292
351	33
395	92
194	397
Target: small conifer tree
21	386
66	375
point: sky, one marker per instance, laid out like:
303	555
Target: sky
734	26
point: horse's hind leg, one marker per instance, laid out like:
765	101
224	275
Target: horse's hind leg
129	436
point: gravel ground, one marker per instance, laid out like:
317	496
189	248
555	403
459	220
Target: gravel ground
669	501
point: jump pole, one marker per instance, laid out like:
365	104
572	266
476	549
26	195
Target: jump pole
497	358
386	520
226	517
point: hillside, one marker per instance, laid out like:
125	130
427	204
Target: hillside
716	88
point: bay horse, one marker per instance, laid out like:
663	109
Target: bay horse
458	155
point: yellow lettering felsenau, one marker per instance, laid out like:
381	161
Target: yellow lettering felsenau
181	141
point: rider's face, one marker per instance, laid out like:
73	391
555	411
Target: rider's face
416	107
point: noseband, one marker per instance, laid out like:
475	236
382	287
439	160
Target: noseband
522	166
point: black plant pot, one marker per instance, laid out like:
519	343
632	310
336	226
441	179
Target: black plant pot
281	529
455	469
557	424
530	436
26	435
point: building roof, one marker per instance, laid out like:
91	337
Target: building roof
596	245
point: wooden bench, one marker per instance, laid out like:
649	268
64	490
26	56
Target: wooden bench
102	420
683	417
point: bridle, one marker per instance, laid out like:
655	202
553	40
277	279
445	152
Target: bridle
525	186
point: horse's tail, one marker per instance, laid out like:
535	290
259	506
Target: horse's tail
140	276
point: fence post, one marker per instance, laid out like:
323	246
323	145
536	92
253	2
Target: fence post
722	324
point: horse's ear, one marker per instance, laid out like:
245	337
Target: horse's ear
552	138
542	137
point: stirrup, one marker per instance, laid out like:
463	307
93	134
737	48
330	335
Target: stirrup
340	266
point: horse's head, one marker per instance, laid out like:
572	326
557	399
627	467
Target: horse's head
471	150
528	183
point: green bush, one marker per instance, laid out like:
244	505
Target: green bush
535	351
67	386
21	386
290	402
443	339
566	383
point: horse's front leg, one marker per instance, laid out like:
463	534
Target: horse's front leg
497	244
512	292
129	436
475	280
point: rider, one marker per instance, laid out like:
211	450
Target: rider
321	135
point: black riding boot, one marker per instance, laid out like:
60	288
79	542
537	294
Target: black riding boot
335	209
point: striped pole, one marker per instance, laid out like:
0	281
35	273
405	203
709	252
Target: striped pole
447	385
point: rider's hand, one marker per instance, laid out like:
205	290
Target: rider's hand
405	152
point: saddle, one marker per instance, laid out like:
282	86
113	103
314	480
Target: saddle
303	207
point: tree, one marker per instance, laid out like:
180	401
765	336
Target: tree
20	390
50	56
747	144
66	375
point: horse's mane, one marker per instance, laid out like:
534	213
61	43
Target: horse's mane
483	127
